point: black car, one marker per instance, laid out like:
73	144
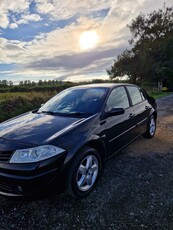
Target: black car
70	137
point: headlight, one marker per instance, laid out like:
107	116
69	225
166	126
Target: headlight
35	154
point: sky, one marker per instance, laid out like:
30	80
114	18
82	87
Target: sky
74	40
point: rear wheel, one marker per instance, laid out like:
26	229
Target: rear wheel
151	127
84	172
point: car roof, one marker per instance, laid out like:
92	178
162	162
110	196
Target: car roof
102	85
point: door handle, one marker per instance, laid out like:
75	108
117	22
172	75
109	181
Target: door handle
131	115
102	122
147	107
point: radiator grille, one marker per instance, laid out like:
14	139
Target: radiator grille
7	187
5	156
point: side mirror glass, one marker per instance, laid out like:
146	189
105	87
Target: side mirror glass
115	112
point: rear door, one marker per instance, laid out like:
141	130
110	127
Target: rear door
119	128
141	109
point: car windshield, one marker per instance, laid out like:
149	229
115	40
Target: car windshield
76	101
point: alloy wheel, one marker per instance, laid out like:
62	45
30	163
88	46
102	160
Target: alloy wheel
152	127
87	173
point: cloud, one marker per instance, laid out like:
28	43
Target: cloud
10	49
26	18
73	61
62	42
59	52
13	26
4	22
45	7
17	6
56	53
66	9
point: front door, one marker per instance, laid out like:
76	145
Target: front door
119	128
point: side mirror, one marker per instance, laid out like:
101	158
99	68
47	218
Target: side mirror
115	112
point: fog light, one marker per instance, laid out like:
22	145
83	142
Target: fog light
18	189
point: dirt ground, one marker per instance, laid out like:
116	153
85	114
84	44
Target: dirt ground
134	192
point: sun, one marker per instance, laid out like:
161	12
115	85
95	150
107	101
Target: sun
88	39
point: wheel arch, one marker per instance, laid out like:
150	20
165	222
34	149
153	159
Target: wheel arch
99	146
155	114
93	142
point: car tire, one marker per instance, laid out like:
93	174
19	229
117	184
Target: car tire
84	172
151	127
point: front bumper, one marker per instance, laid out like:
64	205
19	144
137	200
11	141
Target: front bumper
28	179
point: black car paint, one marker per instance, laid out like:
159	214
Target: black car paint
108	134
35	128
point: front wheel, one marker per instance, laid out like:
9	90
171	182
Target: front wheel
151	127
84	172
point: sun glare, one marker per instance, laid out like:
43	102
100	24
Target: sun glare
88	39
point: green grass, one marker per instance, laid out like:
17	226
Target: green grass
13	104
157	95
25	95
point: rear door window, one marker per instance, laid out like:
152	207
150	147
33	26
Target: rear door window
135	94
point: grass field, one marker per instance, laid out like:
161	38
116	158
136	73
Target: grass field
159	94
13	104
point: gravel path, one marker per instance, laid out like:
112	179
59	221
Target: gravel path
134	192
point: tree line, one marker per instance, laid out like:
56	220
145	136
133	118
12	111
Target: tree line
43	85
27	85
30	83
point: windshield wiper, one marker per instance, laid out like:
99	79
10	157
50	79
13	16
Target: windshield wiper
78	114
48	112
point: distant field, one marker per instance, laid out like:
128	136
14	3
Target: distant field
13	104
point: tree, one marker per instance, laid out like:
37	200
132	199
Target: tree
127	64
4	83
10	83
25	82
151	55
33	83
40	82
151	27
